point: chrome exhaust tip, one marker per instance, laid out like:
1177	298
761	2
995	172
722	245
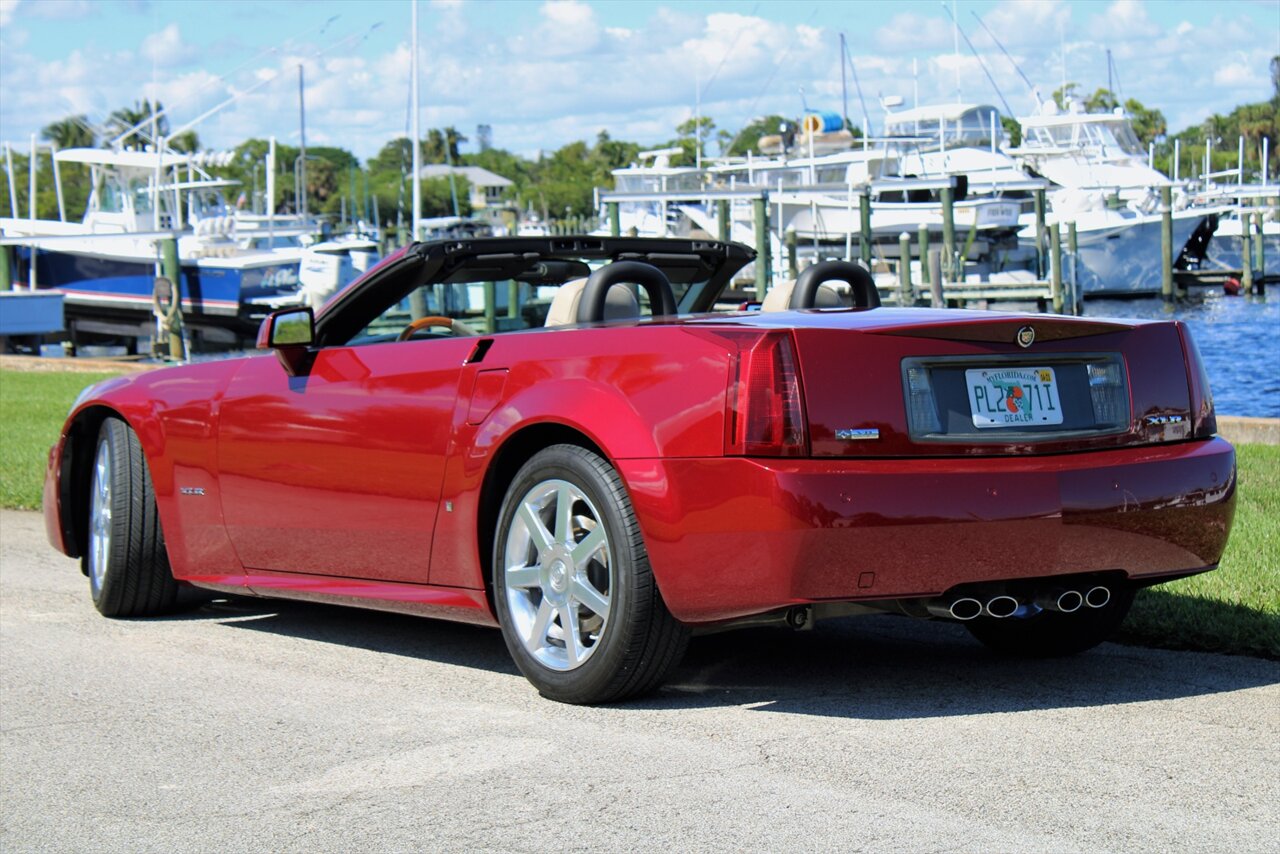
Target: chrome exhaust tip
1097	597
1001	606
1065	601
961	609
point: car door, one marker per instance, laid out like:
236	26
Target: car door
338	471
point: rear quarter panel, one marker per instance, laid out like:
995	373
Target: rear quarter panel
635	392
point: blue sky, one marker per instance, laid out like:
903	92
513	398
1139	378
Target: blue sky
543	74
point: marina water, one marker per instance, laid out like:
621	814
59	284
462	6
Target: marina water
1239	340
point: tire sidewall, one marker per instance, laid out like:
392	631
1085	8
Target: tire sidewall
586	471
113	436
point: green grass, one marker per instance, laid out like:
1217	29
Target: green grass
1235	609
33	405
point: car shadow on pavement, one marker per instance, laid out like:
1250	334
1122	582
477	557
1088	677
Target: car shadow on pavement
874	668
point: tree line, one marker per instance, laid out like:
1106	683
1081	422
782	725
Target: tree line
557	184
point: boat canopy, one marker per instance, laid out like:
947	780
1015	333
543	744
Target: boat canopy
122	159
955	125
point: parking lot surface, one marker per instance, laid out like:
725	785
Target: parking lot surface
255	725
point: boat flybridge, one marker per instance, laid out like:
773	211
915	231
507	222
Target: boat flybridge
106	265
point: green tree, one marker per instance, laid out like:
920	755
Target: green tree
188	142
71	132
127	118
1101	101
1149	125
748	139
1065	93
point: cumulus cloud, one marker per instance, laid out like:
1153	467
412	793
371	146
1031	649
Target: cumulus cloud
165	48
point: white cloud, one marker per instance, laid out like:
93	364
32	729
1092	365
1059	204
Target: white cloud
7	8
913	32
165	48
1238	74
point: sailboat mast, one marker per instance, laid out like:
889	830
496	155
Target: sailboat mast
417	125
302	155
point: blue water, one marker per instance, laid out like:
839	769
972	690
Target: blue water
1238	337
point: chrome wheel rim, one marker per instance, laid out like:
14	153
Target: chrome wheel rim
100	517
558	572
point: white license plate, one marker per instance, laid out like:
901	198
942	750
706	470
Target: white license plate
1005	397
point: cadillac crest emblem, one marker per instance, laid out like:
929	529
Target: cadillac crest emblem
1026	337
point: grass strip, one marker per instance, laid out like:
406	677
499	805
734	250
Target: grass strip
1237	608
33	405
1233	610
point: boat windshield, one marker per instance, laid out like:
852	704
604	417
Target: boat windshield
971	130
119	195
1109	136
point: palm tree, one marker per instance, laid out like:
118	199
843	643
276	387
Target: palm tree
71	132
127	118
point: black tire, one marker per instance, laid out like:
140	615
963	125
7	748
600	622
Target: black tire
129	573
1050	634
637	642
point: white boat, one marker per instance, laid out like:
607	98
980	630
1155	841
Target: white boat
106	265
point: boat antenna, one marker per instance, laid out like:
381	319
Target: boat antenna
866	121
844	87
1035	92
983	65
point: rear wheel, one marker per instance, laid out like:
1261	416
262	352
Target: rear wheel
1052	633
126	561
575	596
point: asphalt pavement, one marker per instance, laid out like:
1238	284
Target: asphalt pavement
250	725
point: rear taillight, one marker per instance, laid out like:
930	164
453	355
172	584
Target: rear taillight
765	415
1204	423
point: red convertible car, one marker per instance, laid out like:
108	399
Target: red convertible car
563	437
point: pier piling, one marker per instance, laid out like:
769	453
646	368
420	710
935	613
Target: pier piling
1246	257
6	271
1259	253
922	250
953	266
722	219
490	307
904	270
1071	269
1039	199
615	221
864	217
935	279
763	262
790	239
1055	259
1166	243
513	298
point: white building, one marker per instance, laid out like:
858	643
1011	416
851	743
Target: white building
488	190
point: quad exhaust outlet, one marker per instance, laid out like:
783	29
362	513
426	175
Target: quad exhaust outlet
1004	605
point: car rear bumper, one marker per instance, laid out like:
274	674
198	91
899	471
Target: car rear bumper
732	537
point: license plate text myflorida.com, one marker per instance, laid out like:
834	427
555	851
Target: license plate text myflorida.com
999	397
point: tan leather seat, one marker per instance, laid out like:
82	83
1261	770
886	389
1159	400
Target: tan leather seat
620	304
780	295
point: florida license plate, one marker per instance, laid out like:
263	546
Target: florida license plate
1010	397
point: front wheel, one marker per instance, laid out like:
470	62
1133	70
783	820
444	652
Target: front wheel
126	561
575	596
1052	633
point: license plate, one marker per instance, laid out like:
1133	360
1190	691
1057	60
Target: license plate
1005	397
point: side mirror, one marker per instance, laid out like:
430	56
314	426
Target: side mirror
290	332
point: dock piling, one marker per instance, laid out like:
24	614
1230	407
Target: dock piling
722	219
763	262
904	270
790	239
922	249
1259	254
953	267
490	307
6	271
1039	199
1071	268
615	220
1166	243
1055	260
513	298
864	217
935	279
1246	259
